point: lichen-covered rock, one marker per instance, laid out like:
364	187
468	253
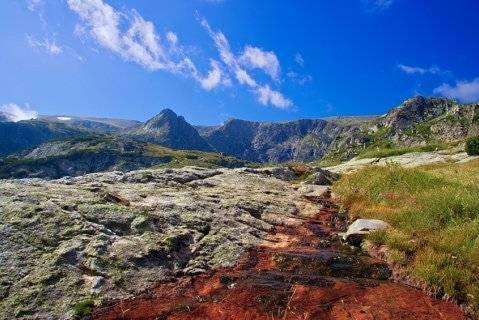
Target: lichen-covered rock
110	235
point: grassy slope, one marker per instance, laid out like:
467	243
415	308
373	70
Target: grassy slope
182	158
83	151
434	211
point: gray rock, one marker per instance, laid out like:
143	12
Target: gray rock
110	250
361	227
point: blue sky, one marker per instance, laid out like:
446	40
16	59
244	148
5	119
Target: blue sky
211	60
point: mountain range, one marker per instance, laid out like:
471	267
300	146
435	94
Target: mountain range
417	121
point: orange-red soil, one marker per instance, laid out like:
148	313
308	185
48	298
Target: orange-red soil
301	273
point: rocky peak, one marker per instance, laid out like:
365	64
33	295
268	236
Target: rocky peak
417	110
170	130
165	117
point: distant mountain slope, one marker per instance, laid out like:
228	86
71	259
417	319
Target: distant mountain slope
301	140
78	156
102	125
20	135
169	130
417	121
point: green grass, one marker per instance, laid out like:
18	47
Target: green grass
84	308
434	211
397	151
182	158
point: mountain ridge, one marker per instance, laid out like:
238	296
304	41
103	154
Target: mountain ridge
417	121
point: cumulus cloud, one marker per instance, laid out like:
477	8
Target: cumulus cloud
465	91
14	113
50	46
256	58
267	96
418	70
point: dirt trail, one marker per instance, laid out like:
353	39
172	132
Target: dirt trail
300	273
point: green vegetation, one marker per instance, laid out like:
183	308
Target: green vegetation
103	153
472	146
330	160
434	211
182	158
84	308
391	151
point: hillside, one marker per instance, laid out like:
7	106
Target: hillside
16	136
416	122
78	156
100	125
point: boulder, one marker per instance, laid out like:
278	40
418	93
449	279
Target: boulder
322	177
360	228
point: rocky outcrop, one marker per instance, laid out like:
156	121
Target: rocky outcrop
415	111
169	130
111	235
409	160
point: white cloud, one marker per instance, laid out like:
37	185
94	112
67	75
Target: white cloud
64	118
14	113
267	96
300	79
221	44
135	39
33	5
377	5
299	59
465	91
418	70
244	78
172	38
214	77
50	46
256	58
250	58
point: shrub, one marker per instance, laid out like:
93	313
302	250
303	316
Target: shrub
472	146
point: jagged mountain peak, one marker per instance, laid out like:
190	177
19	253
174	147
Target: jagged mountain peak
170	130
417	110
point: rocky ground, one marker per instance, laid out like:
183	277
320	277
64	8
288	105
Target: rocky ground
110	235
145	244
409	160
299	271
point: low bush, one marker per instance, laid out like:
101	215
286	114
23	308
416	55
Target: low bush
472	146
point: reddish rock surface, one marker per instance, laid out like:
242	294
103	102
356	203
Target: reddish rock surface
301	273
